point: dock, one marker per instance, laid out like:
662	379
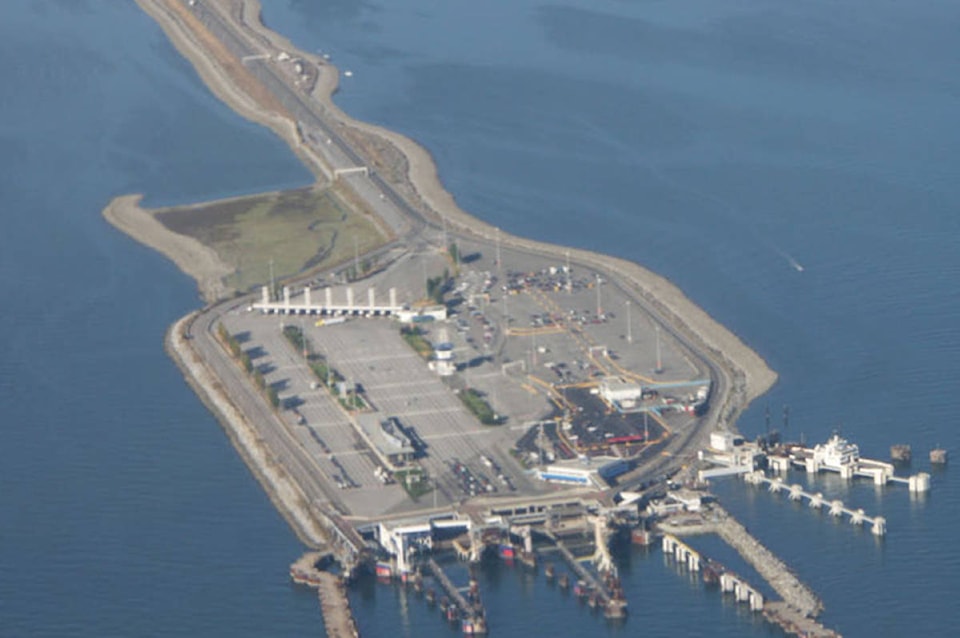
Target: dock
473	616
582	572
878	524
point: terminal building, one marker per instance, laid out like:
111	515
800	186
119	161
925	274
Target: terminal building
596	476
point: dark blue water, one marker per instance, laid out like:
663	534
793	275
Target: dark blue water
124	511
721	145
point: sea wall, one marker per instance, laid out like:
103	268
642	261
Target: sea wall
283	491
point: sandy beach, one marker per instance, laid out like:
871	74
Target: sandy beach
190	256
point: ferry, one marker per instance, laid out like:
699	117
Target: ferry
836	453
473	626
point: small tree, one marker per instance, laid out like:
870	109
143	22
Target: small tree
274	396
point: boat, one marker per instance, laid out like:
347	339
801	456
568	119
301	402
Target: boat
453	613
837	453
901	453
384	570
581	589
616	609
642	536
473	626
507	552
711	572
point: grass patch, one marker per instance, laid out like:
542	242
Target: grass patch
479	407
297	229
415	481
417	341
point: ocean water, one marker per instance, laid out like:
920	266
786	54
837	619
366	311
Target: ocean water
791	167
124	510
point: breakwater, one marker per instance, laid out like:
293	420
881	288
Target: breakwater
338	619
780	577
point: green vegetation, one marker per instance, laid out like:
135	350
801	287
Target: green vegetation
479	406
229	341
353	401
295	230
438	286
414	336
233	346
297	339
415	481
274	396
327	375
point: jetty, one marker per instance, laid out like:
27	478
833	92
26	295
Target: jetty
795	613
783	581
334	605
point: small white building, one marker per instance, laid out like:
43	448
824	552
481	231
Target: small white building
676	501
725	441
620	393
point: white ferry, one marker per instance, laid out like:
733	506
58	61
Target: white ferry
836	453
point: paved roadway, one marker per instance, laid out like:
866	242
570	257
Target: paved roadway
310	115
279	439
